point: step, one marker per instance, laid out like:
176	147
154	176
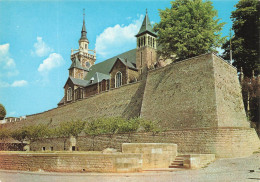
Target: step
176	166
177	163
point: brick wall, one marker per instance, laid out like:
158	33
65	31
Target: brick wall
224	142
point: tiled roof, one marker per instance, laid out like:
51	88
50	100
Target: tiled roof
98	77
78	82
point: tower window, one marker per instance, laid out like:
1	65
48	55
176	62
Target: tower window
144	40
141	61
69	94
139	42
118	79
153	42
86	46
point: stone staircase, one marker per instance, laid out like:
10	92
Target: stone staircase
178	162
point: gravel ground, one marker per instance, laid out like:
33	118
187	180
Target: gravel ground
236	169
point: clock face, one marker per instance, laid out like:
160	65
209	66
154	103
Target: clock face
87	64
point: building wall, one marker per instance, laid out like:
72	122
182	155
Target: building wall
182	95
118	66
69	84
149	57
132	76
91	90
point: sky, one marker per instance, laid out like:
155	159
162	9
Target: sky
36	38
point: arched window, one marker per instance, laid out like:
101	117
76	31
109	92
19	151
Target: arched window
118	80
69	94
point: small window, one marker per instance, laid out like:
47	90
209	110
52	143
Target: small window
43	148
69	94
73	148
51	148
118	80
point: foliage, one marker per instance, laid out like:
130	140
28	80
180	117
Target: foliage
4	134
20	134
251	98
70	128
2	112
150	126
245	42
189	28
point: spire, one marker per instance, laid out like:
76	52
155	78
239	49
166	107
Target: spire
83	31
146	26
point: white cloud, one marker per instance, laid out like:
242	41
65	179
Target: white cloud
7	64
41	48
17	83
54	60
113	39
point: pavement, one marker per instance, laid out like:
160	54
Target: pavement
224	170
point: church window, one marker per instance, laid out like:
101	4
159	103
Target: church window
86	46
153	42
118	79
141	62
144	40
69	94
139	42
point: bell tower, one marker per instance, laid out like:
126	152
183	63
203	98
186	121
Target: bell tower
146	54
82	59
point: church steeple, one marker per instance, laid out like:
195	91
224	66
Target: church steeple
83	41
83	31
146	27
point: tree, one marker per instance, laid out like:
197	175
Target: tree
70	128
20	134
2	112
4	134
189	28
245	42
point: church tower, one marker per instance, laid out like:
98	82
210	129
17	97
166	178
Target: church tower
82	60
146	55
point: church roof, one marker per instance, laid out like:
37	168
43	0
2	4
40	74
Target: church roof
146	27
98	77
76	64
78	82
126	63
105	66
83	32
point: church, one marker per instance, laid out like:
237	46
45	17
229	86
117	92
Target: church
87	78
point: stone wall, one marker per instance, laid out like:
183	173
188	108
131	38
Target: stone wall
182	95
230	107
224	142
124	101
71	162
154	155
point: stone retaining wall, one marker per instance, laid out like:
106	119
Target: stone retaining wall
224	142
62	162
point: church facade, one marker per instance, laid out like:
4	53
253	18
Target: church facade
87	78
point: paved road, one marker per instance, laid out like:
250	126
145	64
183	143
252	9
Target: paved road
221	170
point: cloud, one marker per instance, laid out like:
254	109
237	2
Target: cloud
54	60
17	83
114	40
41	48
7	64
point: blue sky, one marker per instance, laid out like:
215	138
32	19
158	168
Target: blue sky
36	39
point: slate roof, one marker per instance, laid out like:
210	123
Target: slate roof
76	64
98	77
105	66
78	82
83	32
146	27
126	63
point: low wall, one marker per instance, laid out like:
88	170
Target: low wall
196	161
71	162
155	155
224	142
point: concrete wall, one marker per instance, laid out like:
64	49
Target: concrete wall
224	142
196	161
155	155
73	162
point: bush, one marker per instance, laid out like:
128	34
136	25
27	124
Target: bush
2	112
